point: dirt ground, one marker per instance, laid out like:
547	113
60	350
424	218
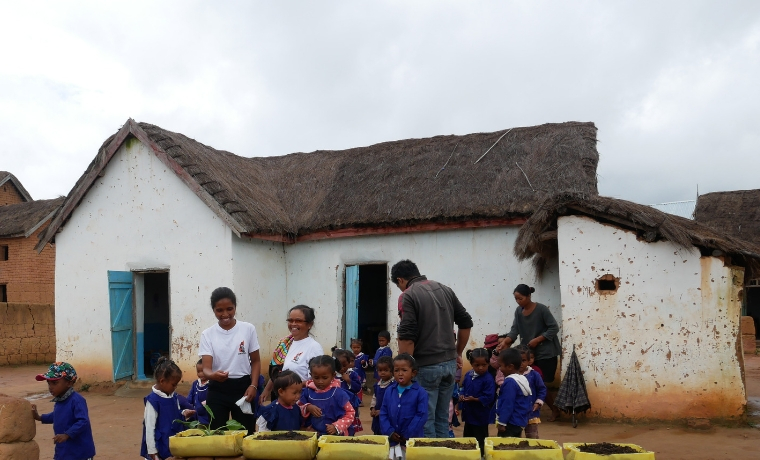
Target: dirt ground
116	417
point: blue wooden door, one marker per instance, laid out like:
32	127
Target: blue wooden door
352	304
120	299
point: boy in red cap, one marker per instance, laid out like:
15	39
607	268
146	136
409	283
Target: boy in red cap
71	424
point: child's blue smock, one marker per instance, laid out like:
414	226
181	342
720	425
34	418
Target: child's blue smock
70	417
482	387
280	418
167	410
404	414
513	406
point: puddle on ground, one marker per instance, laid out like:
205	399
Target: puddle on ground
38	396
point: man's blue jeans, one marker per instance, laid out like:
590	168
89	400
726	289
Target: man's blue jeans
438	381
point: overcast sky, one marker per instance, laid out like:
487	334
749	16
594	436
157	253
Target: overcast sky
674	87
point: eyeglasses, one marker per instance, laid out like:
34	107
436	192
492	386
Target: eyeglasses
294	321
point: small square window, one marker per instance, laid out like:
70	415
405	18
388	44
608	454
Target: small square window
3	252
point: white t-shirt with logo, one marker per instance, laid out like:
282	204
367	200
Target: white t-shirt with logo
299	355
230	349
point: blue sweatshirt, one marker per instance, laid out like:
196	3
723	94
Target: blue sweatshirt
513	406
196	398
404	413
482	387
538	388
70	417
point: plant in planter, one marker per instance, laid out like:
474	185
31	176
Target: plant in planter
200	440
205	430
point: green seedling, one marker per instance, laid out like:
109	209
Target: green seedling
231	425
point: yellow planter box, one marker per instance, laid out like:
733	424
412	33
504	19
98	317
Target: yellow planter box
189	443
330	448
264	449
575	454
555	453
414	452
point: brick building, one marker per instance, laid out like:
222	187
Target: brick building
25	275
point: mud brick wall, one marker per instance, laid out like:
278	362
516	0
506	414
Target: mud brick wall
9	194
28	276
27	333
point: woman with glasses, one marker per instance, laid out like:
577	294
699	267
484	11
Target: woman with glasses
294	352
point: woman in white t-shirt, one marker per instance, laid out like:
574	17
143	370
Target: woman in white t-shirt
230	356
301	347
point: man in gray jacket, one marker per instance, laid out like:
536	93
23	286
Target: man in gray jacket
426	331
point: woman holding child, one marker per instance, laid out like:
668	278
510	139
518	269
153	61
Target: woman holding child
538	329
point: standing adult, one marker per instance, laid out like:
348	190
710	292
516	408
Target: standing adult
294	352
230	357
537	328
426	332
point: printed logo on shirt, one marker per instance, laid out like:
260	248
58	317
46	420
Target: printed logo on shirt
296	357
241	348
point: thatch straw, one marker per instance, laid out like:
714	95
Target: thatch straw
736	213
651	225
18	219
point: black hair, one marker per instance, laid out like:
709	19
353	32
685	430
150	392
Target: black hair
384	334
408	358
511	356
387	360
404	269
339	353
524	290
165	369
222	293
356	340
525	350
478	353
308	312
285	379
323	360
200	361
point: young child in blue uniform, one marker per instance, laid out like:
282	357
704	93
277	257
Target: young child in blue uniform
326	405
383	338
162	408
71	422
197	395
477	396
405	405
538	390
515	398
349	381
361	361
283	414
384	369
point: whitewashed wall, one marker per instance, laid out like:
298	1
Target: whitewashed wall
477	264
665	345
138	216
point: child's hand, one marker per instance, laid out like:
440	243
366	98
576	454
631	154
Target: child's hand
330	429
364	364
374	412
536	406
314	410
35	414
371	362
395	437
501	428
347	377
59	438
263	398
188	413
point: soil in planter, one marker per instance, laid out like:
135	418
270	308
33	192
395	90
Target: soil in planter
606	448
447	444
522	445
358	441
289	436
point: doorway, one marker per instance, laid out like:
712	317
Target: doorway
152	318
753	306
366	305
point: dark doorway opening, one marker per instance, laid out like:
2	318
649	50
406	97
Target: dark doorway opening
157	338
373	305
753	306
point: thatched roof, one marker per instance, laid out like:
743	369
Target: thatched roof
23	219
736	213
6	177
396	183
537	238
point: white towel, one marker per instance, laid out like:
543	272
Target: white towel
245	406
397	453
523	382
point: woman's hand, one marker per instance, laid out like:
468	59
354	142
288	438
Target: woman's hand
219	376
314	410
330	429
250	393
504	343
535	342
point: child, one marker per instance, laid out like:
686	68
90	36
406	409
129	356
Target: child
349	381
197	395
383	338
538	390
514	403
283	414
383	367
327	405
360	362
477	396
71	424
162	408
405	404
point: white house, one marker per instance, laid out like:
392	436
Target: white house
159	220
